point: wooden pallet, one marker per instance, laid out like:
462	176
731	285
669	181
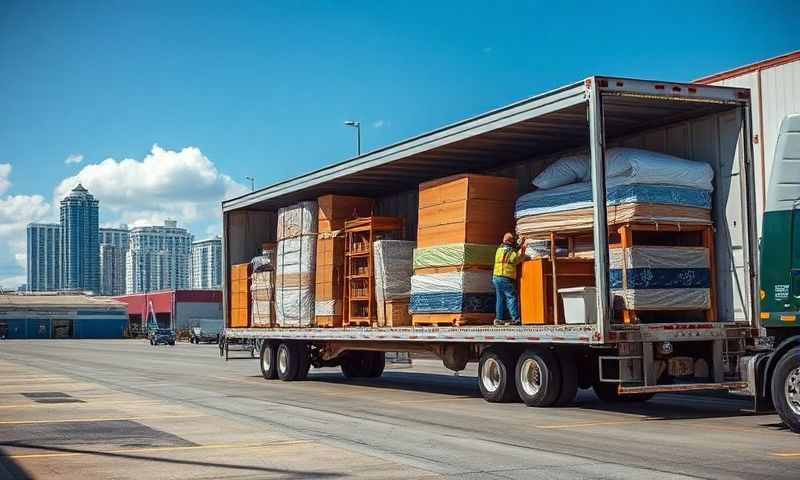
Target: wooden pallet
360	323
451	319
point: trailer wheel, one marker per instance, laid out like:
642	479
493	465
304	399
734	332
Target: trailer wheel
495	376
287	362
268	361
538	378
569	378
786	389
304	357
360	364
377	363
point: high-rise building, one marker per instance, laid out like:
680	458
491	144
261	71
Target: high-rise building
158	257
80	241
113	250
207	263
44	257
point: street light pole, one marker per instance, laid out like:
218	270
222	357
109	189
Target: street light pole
357	126
252	183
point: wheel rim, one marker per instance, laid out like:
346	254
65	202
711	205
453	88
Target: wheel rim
490	375
530	377
283	360
792	390
266	361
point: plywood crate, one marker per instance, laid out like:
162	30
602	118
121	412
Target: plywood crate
240	296
396	313
329	286
334	210
465	209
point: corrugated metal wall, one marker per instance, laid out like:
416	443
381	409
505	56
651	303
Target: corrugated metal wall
780	96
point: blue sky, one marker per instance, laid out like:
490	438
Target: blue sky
262	88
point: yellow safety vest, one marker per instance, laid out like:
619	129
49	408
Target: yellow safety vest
505	262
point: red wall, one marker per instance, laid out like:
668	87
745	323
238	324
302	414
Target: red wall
164	300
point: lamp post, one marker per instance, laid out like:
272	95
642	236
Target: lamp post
357	126
252	183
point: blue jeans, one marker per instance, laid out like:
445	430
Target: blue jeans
506	295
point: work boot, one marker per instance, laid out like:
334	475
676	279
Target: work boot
498	323
514	323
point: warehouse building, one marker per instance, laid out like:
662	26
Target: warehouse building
61	316
177	309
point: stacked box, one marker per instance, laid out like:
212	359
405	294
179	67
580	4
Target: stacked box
295	264
333	211
262	288
461	221
239	296
393	270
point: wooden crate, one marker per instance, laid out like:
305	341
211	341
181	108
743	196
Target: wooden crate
334	210
328	321
465	209
451	319
396	313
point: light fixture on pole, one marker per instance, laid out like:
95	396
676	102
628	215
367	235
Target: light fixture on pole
252	183
357	126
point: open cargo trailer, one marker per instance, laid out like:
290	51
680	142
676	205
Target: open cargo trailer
703	123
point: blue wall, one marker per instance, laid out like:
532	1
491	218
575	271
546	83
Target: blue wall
87	325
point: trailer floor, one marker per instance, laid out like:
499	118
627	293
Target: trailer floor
123	409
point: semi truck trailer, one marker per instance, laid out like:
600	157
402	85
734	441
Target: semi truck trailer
545	364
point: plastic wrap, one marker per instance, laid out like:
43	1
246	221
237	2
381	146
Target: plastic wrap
636	165
261	313
455	254
264	262
618	192
467	281
662	299
649	278
393	269
659	257
327	307
298	219
294	281
452	302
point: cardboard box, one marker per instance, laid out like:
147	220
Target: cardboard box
396	313
328	321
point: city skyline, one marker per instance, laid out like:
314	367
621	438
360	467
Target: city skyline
62	256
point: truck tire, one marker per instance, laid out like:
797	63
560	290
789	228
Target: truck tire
786	389
495	376
356	364
569	379
538	378
304	357
267	361
287	362
377	363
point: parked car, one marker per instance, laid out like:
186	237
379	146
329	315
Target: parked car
163	335
202	335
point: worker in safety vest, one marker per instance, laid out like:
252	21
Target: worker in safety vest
504	278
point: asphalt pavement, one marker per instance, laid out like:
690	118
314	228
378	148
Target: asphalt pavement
123	409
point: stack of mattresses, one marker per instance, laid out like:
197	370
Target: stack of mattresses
641	187
333	211
295	264
461	221
660	278
393	268
262	288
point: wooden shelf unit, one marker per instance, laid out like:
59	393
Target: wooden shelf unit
360	308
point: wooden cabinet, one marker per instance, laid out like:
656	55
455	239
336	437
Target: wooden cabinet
536	286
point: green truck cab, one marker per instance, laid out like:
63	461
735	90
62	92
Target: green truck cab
777	372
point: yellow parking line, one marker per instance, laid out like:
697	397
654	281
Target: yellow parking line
785	455
161	449
112	419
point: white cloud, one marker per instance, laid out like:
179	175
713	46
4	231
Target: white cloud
16	211
381	123
74	158
5	172
165	184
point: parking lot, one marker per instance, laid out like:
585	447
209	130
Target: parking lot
124	409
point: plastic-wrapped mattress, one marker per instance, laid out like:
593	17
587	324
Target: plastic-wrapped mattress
295	263
452	302
470	281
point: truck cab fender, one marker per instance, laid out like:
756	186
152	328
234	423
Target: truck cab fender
773	359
